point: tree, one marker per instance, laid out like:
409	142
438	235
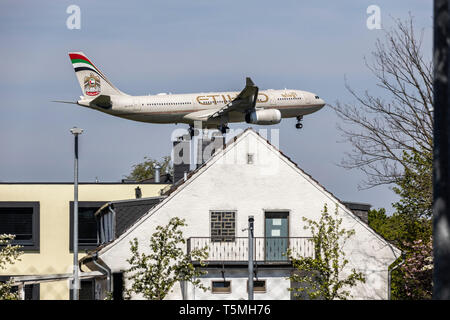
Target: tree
405	231
153	275
9	254
382	130
415	208
146	169
399	228
392	141
415	186
321	276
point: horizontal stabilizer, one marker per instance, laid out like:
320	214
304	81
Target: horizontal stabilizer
61	101
102	101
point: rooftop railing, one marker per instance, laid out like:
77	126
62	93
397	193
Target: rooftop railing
235	249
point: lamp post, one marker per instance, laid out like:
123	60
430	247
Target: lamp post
250	257
76	281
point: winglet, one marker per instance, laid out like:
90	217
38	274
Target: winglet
249	82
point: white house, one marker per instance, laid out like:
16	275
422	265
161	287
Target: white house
247	177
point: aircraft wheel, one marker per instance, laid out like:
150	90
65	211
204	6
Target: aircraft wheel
192	131
223	129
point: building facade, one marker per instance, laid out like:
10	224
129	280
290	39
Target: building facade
250	177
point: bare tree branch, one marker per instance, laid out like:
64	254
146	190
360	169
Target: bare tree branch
380	130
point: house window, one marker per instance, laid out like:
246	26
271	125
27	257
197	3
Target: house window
259	286
32	291
223	225
221	287
249	158
22	220
87	224
87	290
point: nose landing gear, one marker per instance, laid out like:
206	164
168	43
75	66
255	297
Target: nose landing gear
299	123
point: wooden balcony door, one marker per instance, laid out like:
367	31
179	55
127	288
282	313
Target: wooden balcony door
276	233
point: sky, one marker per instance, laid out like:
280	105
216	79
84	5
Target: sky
147	47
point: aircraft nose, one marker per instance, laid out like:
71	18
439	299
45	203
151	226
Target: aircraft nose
318	101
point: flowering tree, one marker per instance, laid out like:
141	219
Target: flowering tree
155	274
418	270
320	277
9	254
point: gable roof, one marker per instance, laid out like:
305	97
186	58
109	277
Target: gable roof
163	179
180	185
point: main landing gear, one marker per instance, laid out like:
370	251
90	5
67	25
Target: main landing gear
223	128
192	131
299	123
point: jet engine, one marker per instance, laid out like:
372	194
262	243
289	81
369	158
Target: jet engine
263	117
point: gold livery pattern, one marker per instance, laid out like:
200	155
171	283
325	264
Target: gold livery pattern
225	98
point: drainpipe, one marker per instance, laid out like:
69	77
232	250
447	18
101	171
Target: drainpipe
105	270
113	223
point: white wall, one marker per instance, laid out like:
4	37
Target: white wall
276	285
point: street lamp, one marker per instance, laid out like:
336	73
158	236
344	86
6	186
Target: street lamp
76	281
250	256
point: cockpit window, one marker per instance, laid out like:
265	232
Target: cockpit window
317	97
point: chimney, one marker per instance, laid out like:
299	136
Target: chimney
361	210
207	146
138	193
157	173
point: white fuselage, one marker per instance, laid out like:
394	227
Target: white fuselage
188	108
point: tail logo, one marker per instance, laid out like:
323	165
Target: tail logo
92	85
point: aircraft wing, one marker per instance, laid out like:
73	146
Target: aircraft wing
201	115
245	100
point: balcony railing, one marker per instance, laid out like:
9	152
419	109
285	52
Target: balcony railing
265	249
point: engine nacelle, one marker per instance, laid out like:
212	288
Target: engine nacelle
263	117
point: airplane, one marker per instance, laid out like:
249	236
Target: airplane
212	109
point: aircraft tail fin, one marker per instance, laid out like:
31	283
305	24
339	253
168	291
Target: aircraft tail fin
92	81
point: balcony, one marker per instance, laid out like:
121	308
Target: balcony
266	250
